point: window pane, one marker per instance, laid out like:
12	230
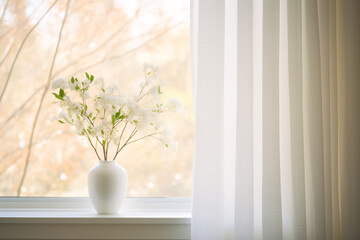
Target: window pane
112	39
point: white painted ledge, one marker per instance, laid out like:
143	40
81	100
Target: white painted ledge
139	219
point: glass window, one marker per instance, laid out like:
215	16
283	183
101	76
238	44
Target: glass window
112	39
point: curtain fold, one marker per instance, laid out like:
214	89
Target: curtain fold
277	101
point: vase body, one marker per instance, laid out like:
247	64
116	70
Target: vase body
107	184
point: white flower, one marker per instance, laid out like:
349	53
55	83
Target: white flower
154	91
59	83
86	83
112	89
72	86
99	82
167	137
103	114
174	105
63	115
167	134
150	68
107	101
173	145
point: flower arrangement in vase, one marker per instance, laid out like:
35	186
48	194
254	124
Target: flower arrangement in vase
107	120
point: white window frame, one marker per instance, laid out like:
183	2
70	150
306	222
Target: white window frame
75	218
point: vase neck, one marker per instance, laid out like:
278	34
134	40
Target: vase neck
107	161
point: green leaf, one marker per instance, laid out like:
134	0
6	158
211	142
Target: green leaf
121	117
91	78
72	80
113	117
159	91
58	96
103	141
60	121
97	110
87	75
61	93
77	87
166	145
90	115
102	132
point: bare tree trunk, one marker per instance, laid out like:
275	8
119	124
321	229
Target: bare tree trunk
42	100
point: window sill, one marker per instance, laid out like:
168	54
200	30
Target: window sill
158	218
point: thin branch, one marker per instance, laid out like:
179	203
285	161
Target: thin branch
118	146
103	44
92	145
35	143
21	23
3	13
21	46
42	100
142	138
130	51
131	135
7	51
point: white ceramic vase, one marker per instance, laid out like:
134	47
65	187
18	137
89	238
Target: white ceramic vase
107	183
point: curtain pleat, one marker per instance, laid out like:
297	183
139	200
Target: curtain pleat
350	162
313	132
297	173
244	184
334	121
323	15
208	177
271	191
288	166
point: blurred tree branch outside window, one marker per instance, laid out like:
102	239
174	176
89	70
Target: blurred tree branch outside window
109	38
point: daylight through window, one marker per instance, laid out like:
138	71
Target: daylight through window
112	39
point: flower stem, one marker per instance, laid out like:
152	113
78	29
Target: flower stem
142	138
131	135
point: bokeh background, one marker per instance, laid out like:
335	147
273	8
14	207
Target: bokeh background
108	38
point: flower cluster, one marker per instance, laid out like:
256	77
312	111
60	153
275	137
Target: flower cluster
104	116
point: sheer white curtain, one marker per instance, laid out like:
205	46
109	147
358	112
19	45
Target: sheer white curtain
277	101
